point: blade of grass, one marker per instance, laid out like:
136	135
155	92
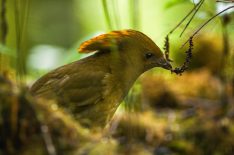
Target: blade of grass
134	9
18	40
116	14
20	13
4	29
107	15
3	22
24	20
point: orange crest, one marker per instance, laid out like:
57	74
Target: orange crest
105	41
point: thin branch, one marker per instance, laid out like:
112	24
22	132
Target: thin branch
190	20
225	1
207	23
44	130
191	11
47	139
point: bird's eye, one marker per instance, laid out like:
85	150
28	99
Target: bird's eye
149	55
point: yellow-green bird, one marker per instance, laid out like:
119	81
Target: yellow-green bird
93	87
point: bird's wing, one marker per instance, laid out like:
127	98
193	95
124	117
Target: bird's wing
76	85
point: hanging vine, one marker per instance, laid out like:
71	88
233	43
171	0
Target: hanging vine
185	65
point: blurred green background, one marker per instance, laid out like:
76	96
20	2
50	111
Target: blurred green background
164	113
47	33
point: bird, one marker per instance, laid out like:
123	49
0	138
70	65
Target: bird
92	88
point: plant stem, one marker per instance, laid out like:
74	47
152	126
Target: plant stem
191	11
195	12
207	23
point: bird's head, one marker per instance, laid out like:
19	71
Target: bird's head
134	46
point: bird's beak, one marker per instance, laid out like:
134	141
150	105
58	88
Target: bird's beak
164	63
